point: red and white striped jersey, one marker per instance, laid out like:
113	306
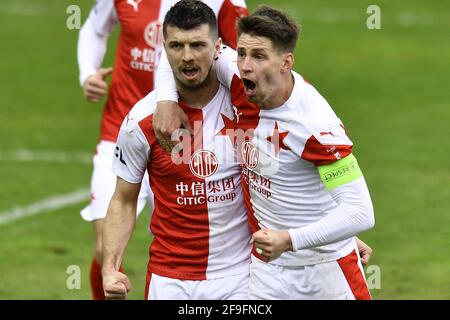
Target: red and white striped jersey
199	221
281	183
139	47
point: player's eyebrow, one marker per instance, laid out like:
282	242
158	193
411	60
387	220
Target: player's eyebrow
175	42
257	50
198	42
262	51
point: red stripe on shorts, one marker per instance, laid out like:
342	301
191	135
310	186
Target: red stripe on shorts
352	272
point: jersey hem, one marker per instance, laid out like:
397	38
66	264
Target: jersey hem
161	271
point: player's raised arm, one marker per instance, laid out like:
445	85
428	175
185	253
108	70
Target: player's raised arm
92	41
169	116
226	67
165	86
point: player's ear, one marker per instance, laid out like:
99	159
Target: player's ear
288	62
218	47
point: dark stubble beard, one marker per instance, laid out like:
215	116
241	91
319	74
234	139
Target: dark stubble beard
198	86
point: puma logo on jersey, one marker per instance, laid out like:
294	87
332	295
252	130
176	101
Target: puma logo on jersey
323	133
134	4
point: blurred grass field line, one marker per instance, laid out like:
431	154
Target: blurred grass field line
389	86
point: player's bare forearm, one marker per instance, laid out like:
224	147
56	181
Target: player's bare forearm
119	223
118	227
117	230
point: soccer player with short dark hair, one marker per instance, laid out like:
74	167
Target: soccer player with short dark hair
136	59
200	248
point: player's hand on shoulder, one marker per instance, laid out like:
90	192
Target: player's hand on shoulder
167	119
116	285
95	86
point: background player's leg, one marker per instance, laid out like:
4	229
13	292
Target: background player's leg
96	267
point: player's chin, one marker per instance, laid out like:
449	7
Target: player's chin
192	83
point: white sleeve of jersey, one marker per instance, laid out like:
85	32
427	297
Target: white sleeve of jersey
226	66
104	17
91	51
93	37
354	214
165	86
131	155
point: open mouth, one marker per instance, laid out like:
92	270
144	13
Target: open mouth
249	86
189	72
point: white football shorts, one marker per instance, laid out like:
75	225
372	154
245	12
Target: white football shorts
335	280
103	184
233	287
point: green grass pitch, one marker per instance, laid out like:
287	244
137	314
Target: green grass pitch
389	86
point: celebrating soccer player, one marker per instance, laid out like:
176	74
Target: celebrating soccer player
200	248
137	56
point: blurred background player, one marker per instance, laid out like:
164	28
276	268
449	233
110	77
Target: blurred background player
137	56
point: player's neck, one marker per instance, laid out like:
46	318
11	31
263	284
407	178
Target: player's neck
199	97
281	94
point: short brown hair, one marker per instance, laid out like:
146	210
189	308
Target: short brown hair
272	24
